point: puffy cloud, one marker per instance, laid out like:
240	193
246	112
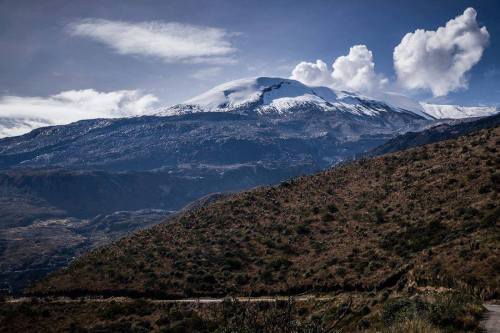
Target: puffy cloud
438	60
314	74
172	42
354	71
19	115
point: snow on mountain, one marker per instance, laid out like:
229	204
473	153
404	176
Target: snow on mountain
401	101
262	96
266	95
441	111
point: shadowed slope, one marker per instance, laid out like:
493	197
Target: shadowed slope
425	216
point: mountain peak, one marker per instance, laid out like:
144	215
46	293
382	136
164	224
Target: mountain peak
272	95
275	95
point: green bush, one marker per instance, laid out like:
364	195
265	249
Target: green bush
279	263
232	263
303	229
491	219
332	208
401	309
455	310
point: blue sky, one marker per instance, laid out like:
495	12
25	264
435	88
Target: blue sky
40	56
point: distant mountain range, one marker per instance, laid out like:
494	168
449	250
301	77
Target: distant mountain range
278	95
264	119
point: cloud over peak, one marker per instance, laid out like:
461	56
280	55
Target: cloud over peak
354	71
172	42
313	74
439	60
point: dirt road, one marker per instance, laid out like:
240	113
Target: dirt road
300	298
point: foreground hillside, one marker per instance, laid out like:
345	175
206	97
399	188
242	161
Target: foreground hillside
427	216
406	242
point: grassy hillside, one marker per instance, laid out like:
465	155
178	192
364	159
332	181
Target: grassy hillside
427	216
400	243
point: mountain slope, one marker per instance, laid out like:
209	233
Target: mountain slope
86	208
11	126
424	217
146	143
437	133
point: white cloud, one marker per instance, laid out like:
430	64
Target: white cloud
19	115
172	42
206	73
438	60
354	71
314	74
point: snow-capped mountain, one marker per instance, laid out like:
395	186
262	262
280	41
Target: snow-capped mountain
258	119
282	97
443	111
265	95
271	118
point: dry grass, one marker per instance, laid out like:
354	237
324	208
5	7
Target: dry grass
354	227
425	219
417	325
346	312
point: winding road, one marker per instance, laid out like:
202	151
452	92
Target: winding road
299	298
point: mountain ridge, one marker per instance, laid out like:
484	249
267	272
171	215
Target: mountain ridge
280	96
273	95
444	131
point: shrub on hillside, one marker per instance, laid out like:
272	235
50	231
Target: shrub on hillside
451	311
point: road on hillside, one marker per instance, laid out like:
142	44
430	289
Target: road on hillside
491	322
299	298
